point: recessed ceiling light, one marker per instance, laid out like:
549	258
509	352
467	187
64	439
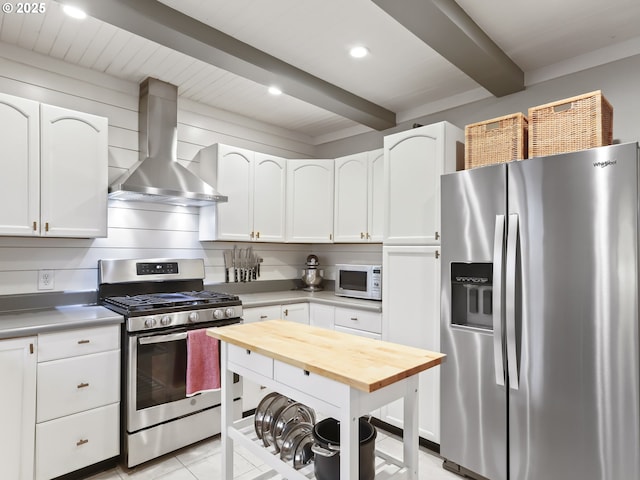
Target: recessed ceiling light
359	52
274	91
74	12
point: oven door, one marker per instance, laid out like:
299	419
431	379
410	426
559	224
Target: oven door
156	371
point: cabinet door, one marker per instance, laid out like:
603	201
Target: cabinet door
17	407
411	316
73	156
296	312
235	180
376	195
269	198
20	166
310	201
413	163
351	199
321	315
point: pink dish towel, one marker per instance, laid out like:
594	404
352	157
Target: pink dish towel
203	362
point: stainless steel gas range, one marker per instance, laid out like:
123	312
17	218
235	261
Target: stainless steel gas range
162	300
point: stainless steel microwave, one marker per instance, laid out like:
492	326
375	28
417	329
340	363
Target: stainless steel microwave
359	281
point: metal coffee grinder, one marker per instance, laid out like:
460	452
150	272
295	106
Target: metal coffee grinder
311	276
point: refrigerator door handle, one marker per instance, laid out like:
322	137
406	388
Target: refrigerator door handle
510	301
498	279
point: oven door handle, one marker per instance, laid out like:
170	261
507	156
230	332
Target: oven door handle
173	337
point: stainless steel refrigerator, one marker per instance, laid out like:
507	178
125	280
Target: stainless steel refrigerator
540	318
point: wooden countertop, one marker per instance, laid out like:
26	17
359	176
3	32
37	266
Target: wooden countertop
362	363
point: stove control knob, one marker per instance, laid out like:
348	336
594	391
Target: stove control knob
218	314
165	320
229	312
193	316
150	322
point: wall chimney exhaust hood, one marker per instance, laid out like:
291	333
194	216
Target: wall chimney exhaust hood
158	177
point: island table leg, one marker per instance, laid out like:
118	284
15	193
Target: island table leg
226	386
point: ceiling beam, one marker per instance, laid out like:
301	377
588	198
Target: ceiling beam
447	29
157	22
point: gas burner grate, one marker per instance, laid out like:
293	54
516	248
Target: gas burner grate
153	301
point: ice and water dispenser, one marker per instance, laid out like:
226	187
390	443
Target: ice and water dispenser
472	294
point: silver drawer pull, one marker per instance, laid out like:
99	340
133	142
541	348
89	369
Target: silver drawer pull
355	319
263	316
81	342
82	442
83	385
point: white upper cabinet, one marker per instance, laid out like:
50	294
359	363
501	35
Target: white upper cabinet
269	198
413	162
310	201
73	168
54	170
358	216
20	165
255	185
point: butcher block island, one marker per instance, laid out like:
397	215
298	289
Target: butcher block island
339	375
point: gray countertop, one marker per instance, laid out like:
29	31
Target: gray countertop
21	323
26	323
325	297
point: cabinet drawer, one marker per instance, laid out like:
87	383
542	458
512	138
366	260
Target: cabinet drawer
71	343
360	333
77	441
251	360
307	382
359	319
72	385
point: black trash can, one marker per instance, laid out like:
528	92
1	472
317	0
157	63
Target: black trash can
326	449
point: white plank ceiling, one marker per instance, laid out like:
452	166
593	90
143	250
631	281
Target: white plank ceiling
402	74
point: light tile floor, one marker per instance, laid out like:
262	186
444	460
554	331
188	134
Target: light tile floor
201	461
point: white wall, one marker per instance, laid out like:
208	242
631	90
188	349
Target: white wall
138	230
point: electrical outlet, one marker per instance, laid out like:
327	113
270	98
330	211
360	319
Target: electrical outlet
45	279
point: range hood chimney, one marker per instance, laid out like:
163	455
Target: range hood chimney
158	177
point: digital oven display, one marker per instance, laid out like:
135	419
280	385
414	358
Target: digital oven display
163	268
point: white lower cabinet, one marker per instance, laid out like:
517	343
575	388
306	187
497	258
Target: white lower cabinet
411	316
321	315
361	320
260	314
17	407
296	312
78	400
76	441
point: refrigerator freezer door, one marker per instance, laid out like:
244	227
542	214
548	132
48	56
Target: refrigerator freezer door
575	413
473	404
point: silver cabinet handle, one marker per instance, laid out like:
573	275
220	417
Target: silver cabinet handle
82	442
162	338
83	342
262	317
510	301
498	279
83	385
355	319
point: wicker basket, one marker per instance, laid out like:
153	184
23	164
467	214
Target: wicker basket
497	140
572	124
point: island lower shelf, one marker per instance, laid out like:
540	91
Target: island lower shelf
340	375
387	467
